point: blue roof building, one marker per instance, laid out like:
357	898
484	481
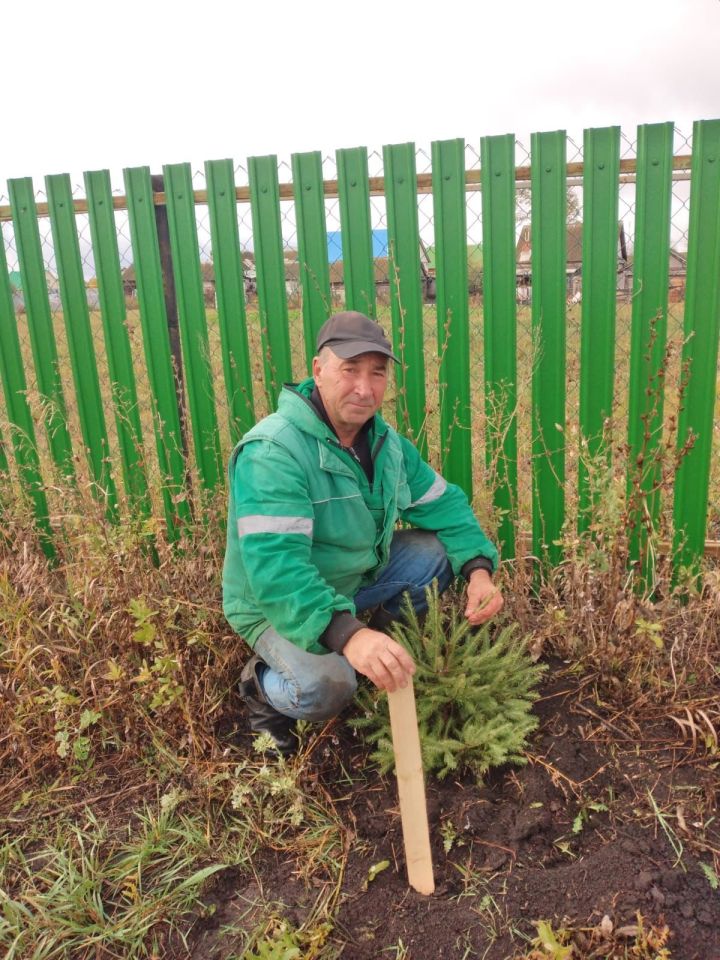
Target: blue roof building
335	252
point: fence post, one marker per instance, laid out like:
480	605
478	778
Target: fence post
549	256
601	158
156	346
453	318
500	329
406	303
230	293
649	334
356	230
312	246
40	323
180	209
270	267
700	353
22	428
117	341
157	181
81	348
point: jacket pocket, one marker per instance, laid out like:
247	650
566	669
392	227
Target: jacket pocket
403	498
344	522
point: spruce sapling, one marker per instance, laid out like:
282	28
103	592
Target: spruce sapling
474	691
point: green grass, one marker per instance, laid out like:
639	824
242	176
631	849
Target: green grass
80	889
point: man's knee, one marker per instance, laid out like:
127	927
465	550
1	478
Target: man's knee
428	561
328	692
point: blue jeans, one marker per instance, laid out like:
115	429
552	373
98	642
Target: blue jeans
311	686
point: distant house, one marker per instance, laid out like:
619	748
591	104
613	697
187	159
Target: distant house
207	272
18	293
129	282
53	286
16	289
207	269
678	275
292	274
573	268
474	265
381	266
92	293
381	270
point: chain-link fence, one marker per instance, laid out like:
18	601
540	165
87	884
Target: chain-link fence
626	232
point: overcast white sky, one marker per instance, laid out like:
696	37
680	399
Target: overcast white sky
105	84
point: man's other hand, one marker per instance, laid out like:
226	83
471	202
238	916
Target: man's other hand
380	658
484	599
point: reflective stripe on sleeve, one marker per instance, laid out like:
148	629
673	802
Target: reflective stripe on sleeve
437	489
259	523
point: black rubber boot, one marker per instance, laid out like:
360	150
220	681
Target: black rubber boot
263	717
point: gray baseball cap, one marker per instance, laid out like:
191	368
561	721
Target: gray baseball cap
351	333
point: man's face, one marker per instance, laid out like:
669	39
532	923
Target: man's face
352	390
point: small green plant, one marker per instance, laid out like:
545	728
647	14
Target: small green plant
650	940
449	835
584	814
270	791
375	869
280	944
650	630
73	743
474	692
279	940
710	875
554	944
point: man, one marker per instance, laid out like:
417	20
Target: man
316	490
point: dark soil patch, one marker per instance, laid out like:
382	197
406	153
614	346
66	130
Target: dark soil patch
608	819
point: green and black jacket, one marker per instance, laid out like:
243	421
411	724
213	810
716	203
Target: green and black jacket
307	529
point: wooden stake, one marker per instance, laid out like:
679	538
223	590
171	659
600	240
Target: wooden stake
411	789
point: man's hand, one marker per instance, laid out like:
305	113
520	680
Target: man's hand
380	658
484	598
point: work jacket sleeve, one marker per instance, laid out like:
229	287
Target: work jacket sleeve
274	517
443	507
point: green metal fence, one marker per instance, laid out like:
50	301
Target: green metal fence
175	306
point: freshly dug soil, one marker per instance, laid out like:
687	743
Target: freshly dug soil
608	821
